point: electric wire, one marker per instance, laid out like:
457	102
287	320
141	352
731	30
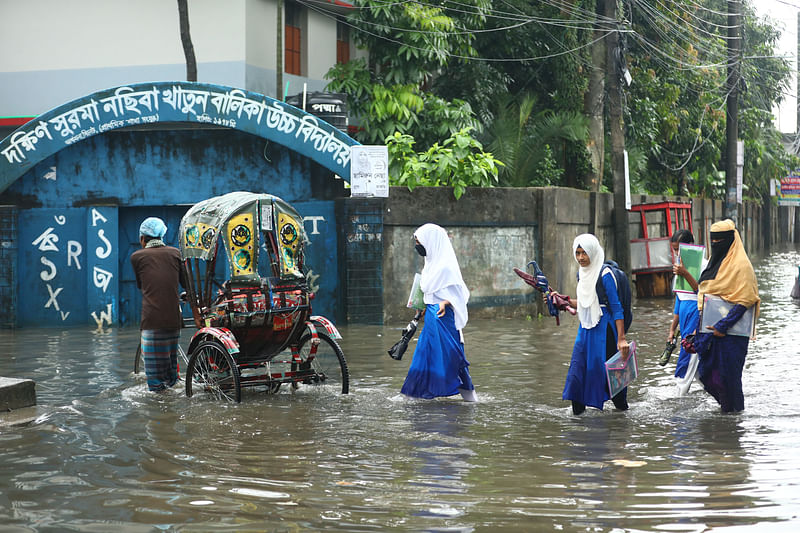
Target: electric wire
671	33
450	54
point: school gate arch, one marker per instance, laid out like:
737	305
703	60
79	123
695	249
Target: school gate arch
77	180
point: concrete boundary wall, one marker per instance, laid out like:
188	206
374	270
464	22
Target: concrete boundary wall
494	230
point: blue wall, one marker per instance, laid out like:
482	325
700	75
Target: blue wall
80	211
52	267
162	168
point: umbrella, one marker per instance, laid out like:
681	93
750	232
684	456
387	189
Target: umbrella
555	302
396	352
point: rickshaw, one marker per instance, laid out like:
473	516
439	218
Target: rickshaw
255	328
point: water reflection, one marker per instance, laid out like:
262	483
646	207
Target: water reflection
103	453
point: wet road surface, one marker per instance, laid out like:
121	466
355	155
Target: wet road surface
103	454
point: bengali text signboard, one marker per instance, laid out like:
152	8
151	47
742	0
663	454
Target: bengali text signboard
789	189
166	102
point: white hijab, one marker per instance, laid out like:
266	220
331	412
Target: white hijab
588	305
441	275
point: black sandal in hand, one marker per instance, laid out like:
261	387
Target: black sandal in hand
668	349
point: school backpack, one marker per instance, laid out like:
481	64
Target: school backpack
623	290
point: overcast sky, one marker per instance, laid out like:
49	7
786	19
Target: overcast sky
785	12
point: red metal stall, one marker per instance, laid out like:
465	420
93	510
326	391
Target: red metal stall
651	256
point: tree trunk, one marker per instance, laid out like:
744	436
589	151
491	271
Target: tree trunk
279	53
681	187
186	41
593	104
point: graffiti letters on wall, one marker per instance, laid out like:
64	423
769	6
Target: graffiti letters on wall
142	104
75	258
50	244
312	227
102	259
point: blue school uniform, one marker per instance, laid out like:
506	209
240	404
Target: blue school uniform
688	317
586	378
439	366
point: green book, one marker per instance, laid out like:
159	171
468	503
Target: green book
692	259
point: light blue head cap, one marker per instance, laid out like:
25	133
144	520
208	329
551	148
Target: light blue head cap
153	227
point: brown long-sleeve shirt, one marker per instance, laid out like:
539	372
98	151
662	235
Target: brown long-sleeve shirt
158	271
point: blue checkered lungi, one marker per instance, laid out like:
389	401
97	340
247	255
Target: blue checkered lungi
160	351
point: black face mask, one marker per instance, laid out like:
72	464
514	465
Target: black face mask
420	249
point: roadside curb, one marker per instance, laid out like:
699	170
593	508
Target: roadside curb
16	394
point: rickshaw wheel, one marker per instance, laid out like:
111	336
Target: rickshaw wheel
213	369
329	366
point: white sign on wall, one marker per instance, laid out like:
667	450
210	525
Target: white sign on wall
627	181
739	170
369	171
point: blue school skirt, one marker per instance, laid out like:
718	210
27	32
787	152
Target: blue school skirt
439	366
688	317
586	378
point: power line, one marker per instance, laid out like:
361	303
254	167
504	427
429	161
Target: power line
450	54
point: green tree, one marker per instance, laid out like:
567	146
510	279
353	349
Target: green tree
437	69
766	80
527	48
459	162
524	141
676	103
408	44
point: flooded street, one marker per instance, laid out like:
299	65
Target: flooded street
103	454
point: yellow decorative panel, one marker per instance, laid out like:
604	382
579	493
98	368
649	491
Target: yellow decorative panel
241	244
289	240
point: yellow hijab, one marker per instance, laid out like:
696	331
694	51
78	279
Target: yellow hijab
735	279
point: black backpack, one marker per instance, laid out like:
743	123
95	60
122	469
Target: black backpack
623	290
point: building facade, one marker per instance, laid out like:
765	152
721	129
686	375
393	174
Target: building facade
55	52
96	135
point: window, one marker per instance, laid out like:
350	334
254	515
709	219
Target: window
342	41
293	39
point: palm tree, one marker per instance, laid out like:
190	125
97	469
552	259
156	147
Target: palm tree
524	141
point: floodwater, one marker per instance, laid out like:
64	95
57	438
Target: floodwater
103	454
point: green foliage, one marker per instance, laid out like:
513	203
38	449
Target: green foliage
547	171
408	41
407	44
523	140
459	162
519	29
676	104
384	110
524	98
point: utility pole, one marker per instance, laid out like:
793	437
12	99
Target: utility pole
279	53
614	69
732	111
593	107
